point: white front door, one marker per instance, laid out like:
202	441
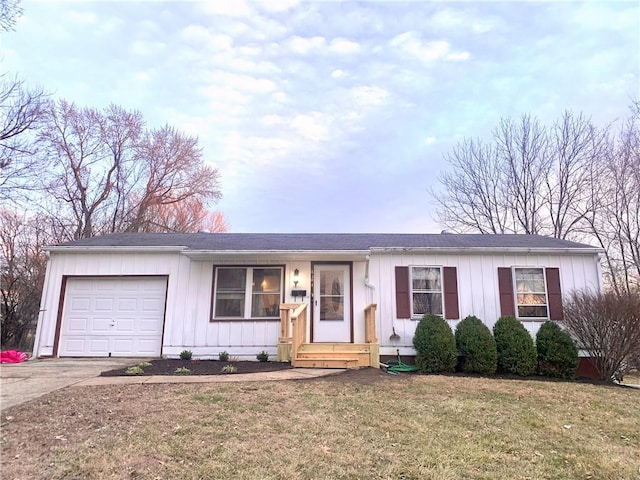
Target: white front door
331	303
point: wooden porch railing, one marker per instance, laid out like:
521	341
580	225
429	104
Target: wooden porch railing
370	324
293	330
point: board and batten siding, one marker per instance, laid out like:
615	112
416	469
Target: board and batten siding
187	322
478	293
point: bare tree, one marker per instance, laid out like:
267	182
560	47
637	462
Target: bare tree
110	175
475	197
528	179
575	145
9	11
21	110
87	149
614	222
187	216
524	160
22	269
173	172
607	326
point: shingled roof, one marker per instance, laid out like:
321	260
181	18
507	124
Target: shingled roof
300	242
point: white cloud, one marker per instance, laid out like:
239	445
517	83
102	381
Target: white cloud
280	97
85	18
338	73
369	95
430	140
278	5
344	46
270	120
142	76
411	43
201	36
448	19
226	8
313	126
304	45
146	48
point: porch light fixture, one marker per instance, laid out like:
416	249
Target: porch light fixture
296	278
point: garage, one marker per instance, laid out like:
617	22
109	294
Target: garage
113	316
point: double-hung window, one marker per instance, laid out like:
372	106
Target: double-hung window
426	291
247	292
531	294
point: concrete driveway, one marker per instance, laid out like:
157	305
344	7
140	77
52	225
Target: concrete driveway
25	381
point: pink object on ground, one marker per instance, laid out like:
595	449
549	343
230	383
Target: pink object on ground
13	356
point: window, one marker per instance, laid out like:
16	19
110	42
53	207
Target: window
531	295
247	292
426	291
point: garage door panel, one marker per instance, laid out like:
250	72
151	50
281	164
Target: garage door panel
75	325
127	305
99	325
80	304
121	316
103	304
127	326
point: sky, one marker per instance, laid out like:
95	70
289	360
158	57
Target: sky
332	116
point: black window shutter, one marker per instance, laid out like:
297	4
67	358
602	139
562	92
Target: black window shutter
450	282
505	288
403	293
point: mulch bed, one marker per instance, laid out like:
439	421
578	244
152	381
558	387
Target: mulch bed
201	367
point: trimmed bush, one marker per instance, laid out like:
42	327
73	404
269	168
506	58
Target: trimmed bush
476	347
516	351
435	345
557	352
186	355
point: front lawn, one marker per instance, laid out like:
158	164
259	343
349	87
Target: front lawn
363	426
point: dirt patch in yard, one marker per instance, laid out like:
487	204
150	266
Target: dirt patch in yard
198	367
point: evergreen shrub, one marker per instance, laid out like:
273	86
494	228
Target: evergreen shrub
557	352
435	345
515	347
476	347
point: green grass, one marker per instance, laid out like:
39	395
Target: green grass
407	427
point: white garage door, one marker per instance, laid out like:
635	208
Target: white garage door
113	316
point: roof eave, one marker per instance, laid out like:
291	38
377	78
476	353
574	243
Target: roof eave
545	250
209	254
114	249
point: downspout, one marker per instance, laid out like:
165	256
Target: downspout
41	311
366	277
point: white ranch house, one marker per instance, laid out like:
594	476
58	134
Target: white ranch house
315	299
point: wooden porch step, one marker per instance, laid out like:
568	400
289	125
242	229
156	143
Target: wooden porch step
335	347
325	363
331	354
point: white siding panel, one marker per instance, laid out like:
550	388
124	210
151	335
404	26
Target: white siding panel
477	286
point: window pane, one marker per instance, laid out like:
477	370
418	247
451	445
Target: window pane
331	282
265	305
266	280
532	299
229	305
426	278
532	311
332	308
230	292
530	280
231	279
427	303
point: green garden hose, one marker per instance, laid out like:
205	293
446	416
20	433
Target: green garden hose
394	367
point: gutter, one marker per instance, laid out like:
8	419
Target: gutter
113	249
475	250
